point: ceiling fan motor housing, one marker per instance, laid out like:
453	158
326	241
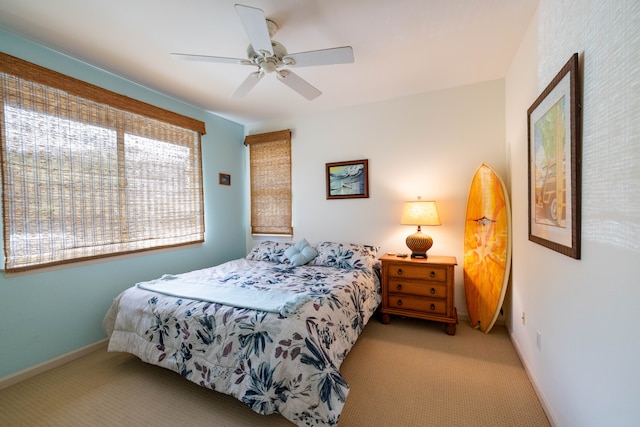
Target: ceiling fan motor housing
267	62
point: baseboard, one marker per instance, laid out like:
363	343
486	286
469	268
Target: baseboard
50	364
536	387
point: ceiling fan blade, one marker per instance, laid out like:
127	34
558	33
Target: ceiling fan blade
299	85
207	58
336	55
248	84
255	25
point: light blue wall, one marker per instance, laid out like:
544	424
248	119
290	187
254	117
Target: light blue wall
47	314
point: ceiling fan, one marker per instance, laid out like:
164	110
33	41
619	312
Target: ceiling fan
272	57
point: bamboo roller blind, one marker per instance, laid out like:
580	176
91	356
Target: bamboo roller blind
270	169
83	179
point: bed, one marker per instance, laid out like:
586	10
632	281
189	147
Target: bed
270	329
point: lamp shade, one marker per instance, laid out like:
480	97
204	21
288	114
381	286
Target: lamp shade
420	213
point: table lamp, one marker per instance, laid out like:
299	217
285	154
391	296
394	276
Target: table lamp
419	213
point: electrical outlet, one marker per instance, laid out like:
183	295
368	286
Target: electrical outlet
539	340
523	318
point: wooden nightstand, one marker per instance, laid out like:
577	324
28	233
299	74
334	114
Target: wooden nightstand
420	288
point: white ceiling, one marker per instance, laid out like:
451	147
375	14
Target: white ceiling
401	47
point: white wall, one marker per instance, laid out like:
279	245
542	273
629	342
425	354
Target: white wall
428	145
587	370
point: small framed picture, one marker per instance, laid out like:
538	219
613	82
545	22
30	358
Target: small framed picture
348	180
224	179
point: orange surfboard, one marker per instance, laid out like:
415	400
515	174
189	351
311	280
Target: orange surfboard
487	247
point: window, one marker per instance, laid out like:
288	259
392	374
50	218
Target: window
88	173
270	169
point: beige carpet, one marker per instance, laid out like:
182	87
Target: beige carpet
407	373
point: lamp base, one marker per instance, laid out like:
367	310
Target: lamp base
419	243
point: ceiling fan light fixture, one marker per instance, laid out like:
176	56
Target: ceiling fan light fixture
269	65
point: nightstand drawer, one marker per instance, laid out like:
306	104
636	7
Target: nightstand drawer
423	305
427	289
421	272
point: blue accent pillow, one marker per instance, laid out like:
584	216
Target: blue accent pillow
300	253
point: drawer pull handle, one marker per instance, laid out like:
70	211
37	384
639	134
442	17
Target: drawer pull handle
399	272
432	274
399	287
432	291
432	306
399	302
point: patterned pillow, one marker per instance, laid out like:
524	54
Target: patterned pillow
270	251
346	255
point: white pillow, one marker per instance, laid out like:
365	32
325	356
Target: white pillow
300	253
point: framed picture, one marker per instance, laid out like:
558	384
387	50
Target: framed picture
224	179
555	164
348	180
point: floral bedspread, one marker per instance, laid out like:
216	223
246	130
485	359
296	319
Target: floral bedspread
289	365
